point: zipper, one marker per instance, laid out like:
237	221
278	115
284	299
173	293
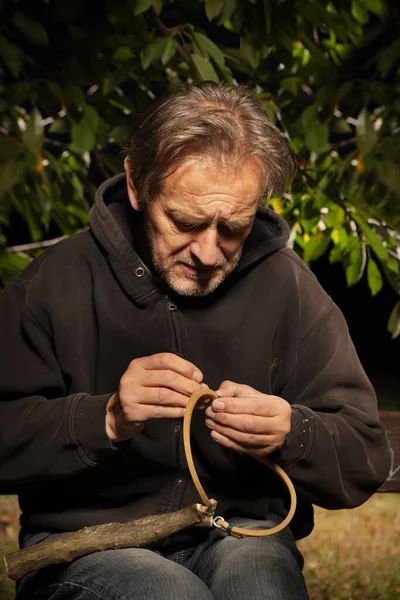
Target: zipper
172	307
176	423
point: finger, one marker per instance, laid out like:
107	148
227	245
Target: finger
262	405
169	361
248	424
142	413
239	390
156	396
232	445
169	379
246	441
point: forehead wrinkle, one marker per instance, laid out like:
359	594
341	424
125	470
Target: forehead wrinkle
190	202
207	174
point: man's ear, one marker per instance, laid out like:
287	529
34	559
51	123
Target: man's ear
132	194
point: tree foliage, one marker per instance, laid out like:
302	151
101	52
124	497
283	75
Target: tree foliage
73	73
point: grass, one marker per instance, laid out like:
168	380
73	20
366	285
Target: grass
351	554
355	554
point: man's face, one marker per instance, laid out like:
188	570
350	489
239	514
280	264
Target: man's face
197	226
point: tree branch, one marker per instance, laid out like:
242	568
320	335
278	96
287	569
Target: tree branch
165	32
133	534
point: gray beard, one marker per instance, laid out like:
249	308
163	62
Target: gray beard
167	274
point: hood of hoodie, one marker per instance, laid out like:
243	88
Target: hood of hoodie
111	219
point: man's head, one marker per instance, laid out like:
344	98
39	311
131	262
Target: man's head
197	165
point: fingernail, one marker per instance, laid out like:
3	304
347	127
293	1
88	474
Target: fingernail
218	405
215	435
210	423
198	376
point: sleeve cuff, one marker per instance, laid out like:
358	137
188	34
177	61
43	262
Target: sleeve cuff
89	428
298	444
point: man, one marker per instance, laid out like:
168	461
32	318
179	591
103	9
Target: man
183	279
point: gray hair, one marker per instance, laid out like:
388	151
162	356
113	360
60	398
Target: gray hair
225	122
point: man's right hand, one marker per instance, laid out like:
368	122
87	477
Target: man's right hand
152	387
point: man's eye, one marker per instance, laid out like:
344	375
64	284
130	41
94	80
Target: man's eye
231	230
188	226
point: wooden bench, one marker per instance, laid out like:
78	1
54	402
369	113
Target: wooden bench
390	419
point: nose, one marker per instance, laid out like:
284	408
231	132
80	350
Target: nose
205	247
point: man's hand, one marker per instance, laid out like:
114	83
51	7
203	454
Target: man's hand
247	421
152	387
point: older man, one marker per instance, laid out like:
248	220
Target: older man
182	279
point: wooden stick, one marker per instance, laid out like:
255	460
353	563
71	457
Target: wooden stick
133	534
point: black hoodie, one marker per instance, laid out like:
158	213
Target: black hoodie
75	318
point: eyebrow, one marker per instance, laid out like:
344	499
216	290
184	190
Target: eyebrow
186	219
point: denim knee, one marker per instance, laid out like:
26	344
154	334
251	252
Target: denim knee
267	568
126	574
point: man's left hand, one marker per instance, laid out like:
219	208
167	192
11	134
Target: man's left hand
248	421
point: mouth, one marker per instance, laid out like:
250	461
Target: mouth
196	273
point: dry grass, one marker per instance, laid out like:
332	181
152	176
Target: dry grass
351	555
355	554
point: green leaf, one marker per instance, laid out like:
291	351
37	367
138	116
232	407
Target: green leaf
56	91
388	57
32	30
340	237
91	116
374	241
356	264
309	117
315	52
315	247
393	264
10	174
388	173
208	47
168	50
323	96
123	53
157	5
292	84
228	11
74	95
359	12
340	126
335	217
317	137
32	220
249	54
336	254
151	53
204	68
83	136
114	79
34	133
394	321
214	8
10	56
365	132
141	6
378	7
374	277
12	263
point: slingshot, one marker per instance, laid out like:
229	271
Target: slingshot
210	503
141	532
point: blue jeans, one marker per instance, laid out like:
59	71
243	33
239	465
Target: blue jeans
220	568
